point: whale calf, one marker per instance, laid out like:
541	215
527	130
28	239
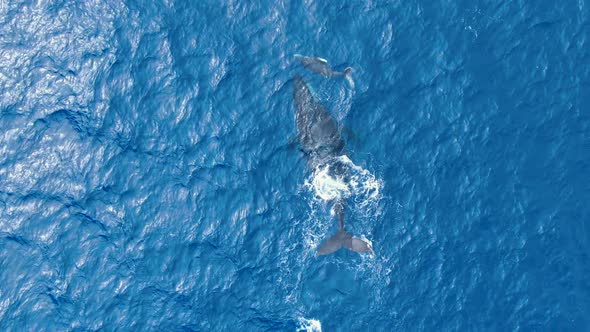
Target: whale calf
321	66
322	144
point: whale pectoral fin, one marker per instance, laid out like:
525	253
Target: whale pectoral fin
350	81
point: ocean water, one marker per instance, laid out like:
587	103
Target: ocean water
148	180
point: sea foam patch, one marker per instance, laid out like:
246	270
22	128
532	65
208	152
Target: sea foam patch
342	179
309	325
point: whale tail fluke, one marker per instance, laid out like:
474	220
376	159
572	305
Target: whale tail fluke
345	239
361	246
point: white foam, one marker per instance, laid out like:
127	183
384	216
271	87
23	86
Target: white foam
356	183
309	325
328	187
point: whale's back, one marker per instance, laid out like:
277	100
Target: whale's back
318	131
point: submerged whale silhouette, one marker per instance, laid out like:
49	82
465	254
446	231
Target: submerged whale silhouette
322	144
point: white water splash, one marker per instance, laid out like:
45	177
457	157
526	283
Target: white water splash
353	182
327	187
309	325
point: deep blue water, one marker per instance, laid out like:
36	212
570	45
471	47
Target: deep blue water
148	180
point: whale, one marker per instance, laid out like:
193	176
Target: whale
322	144
321	66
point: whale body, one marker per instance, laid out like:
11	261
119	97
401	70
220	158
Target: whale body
322	144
